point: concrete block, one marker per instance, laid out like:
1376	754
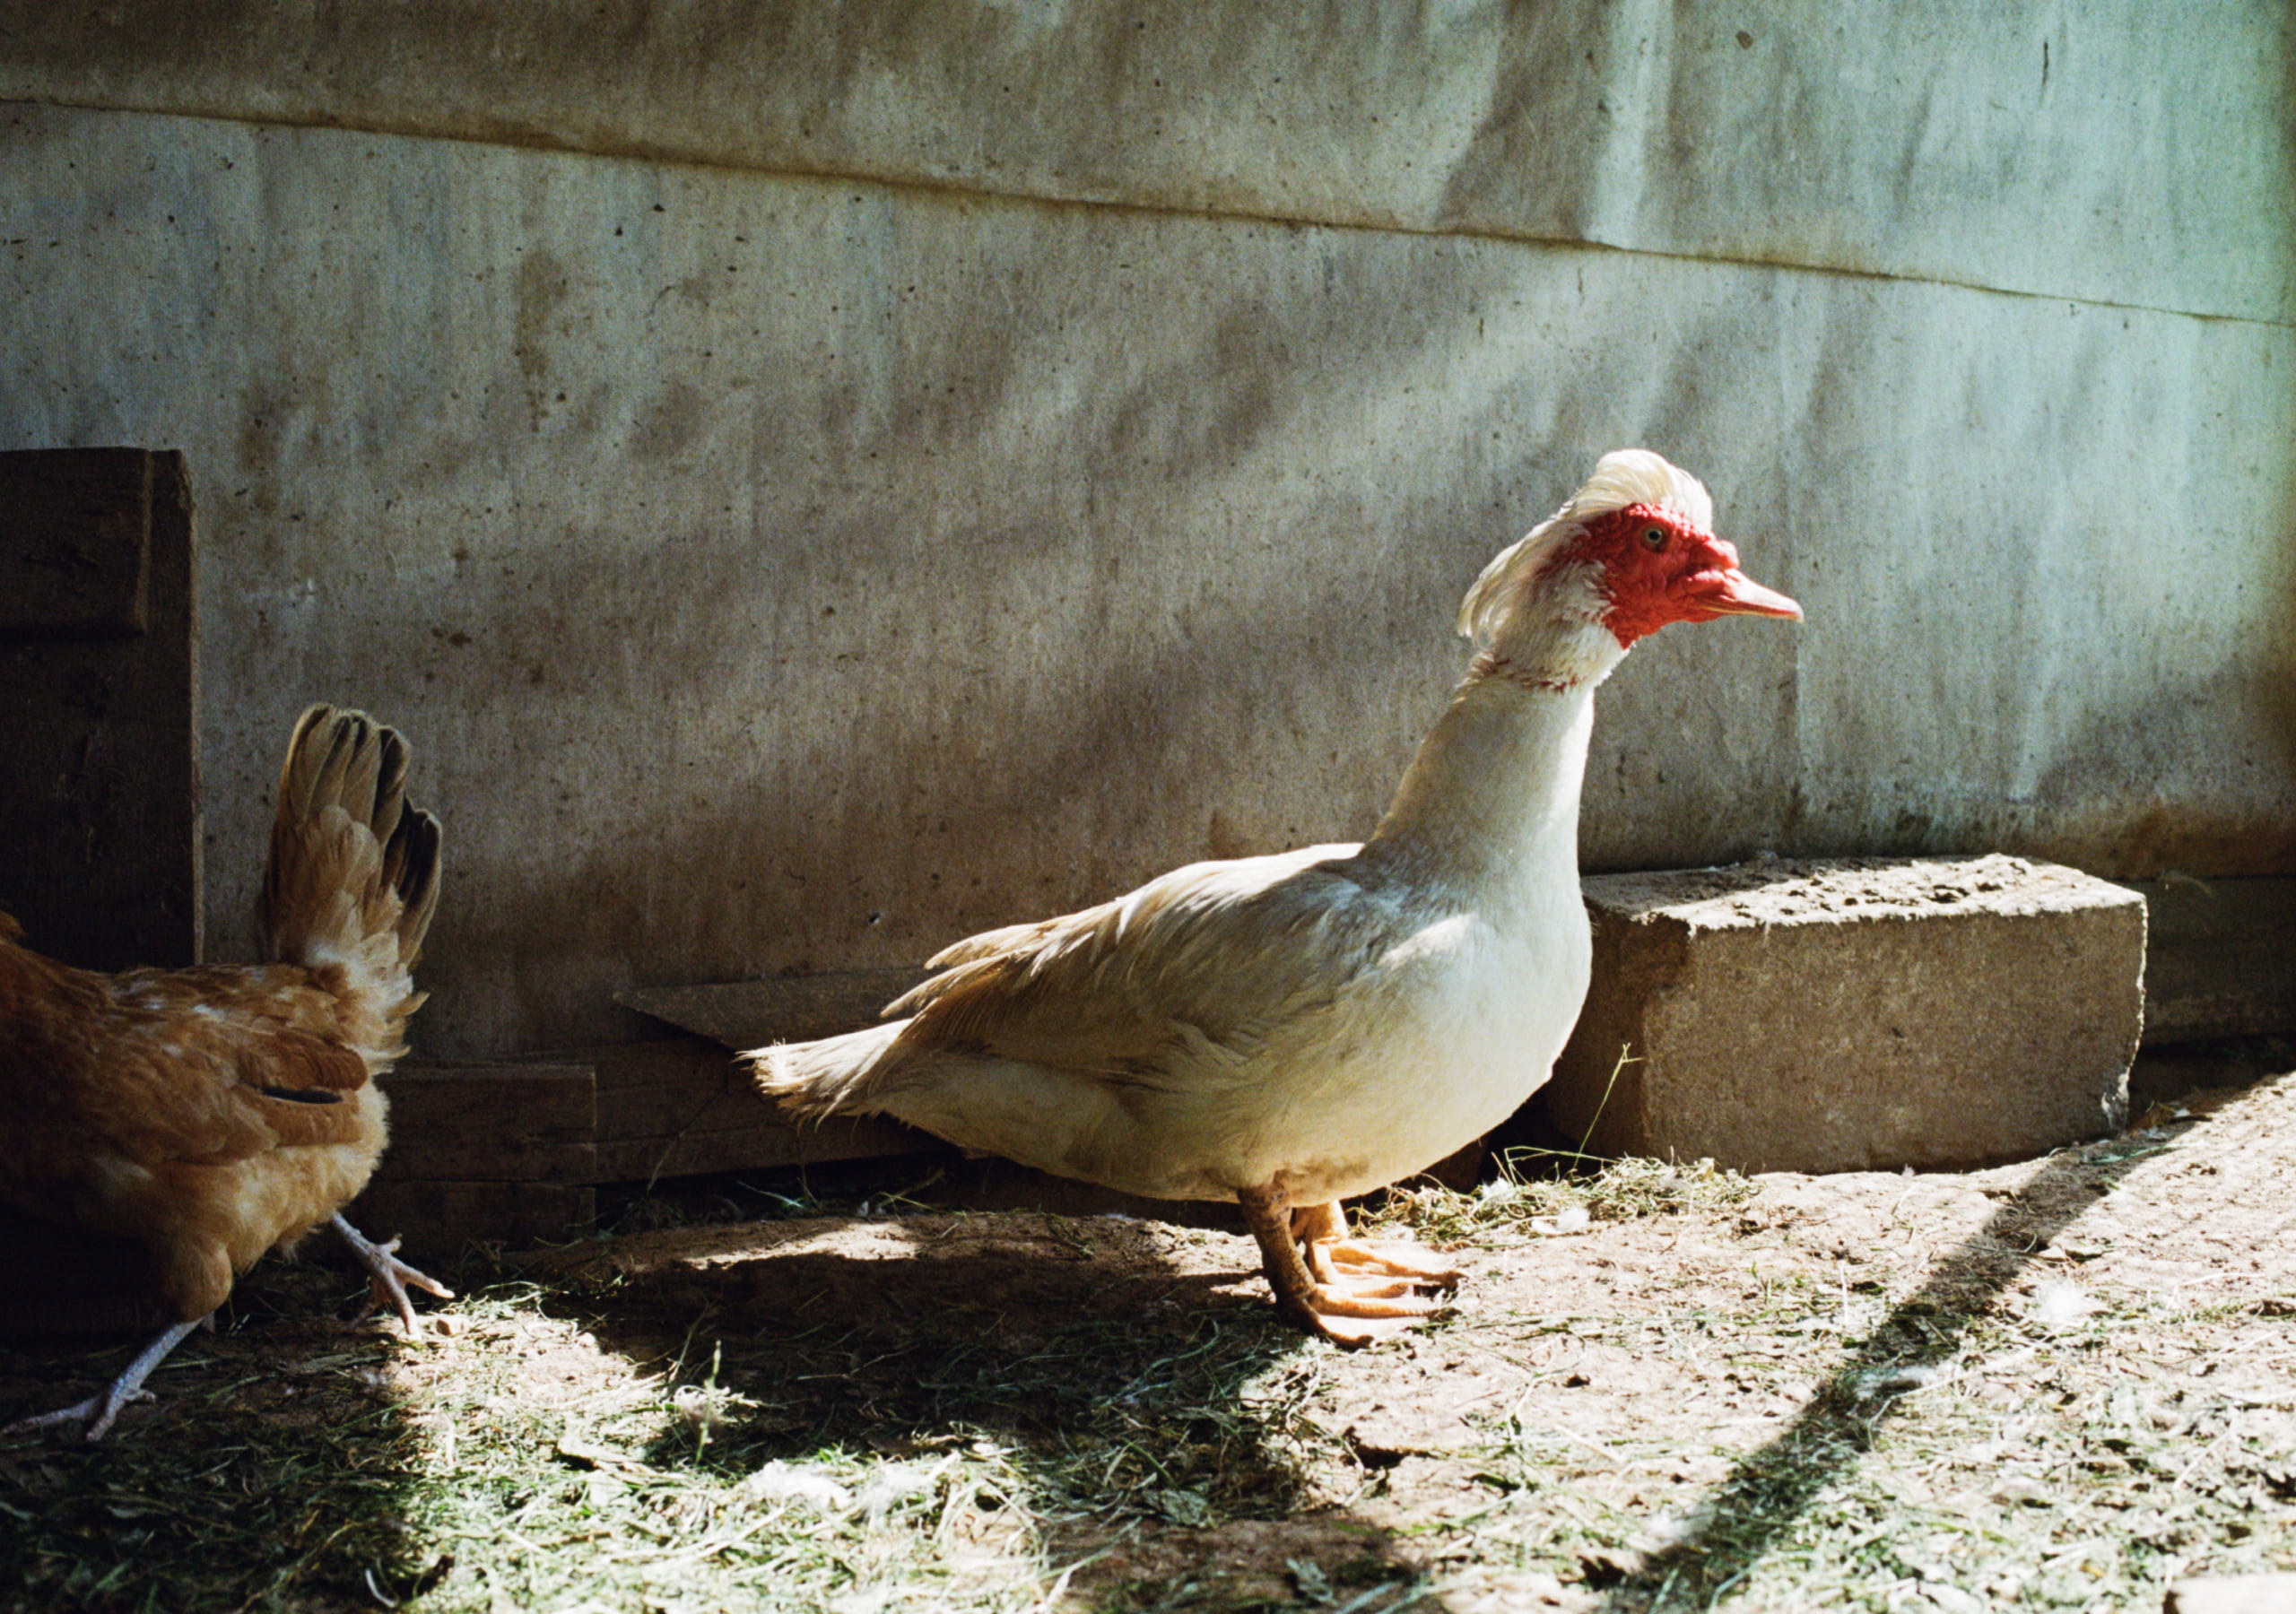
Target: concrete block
1854	1014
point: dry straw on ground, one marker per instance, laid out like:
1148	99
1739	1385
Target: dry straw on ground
2059	1383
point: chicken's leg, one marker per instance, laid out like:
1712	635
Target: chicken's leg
1344	1309
390	1275
98	1411
389	1279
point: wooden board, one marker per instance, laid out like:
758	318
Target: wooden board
75	543
681	1108
513	1151
435	1219
511	1123
634	1111
99	851
504	1153
750	1014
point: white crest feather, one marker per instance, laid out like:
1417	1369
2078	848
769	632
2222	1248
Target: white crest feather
1622	477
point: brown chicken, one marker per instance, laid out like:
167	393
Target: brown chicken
216	1113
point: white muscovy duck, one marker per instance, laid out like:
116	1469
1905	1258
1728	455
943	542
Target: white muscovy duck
1288	1030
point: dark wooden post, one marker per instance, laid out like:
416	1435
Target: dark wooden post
100	837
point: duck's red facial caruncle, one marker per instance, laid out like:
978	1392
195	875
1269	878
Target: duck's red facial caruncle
1659	568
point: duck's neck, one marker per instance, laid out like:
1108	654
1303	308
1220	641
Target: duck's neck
1490	803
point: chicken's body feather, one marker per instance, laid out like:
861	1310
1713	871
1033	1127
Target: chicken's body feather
211	1113
215	1113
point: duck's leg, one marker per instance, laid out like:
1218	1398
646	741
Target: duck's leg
1336	1258
1346	1311
98	1411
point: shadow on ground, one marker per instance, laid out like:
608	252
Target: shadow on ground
271	1469
1748	1512
1135	1381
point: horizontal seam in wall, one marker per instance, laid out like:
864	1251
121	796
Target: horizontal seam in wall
641	152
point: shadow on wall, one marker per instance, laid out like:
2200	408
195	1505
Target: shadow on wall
891	786
2143	818
2132	794
866	841
860	843
1070	648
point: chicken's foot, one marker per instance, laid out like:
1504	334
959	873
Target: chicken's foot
390	1275
99	1410
1348	1308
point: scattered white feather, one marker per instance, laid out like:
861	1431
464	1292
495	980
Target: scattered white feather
780	1482
895	1483
1896	1379
2059	1303
811	1486
696	1406
1574	1218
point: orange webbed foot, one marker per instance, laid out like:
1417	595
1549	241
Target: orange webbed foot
1350	1293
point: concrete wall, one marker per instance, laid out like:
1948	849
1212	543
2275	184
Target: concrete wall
813	481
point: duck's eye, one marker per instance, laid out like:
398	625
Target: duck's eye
1654	538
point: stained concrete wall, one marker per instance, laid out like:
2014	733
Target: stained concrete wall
811	482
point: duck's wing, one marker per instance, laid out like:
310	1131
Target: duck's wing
1175	981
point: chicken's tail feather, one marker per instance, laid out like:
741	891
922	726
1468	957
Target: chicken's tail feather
836	1075
353	876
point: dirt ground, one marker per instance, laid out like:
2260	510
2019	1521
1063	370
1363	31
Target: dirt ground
2063	1382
